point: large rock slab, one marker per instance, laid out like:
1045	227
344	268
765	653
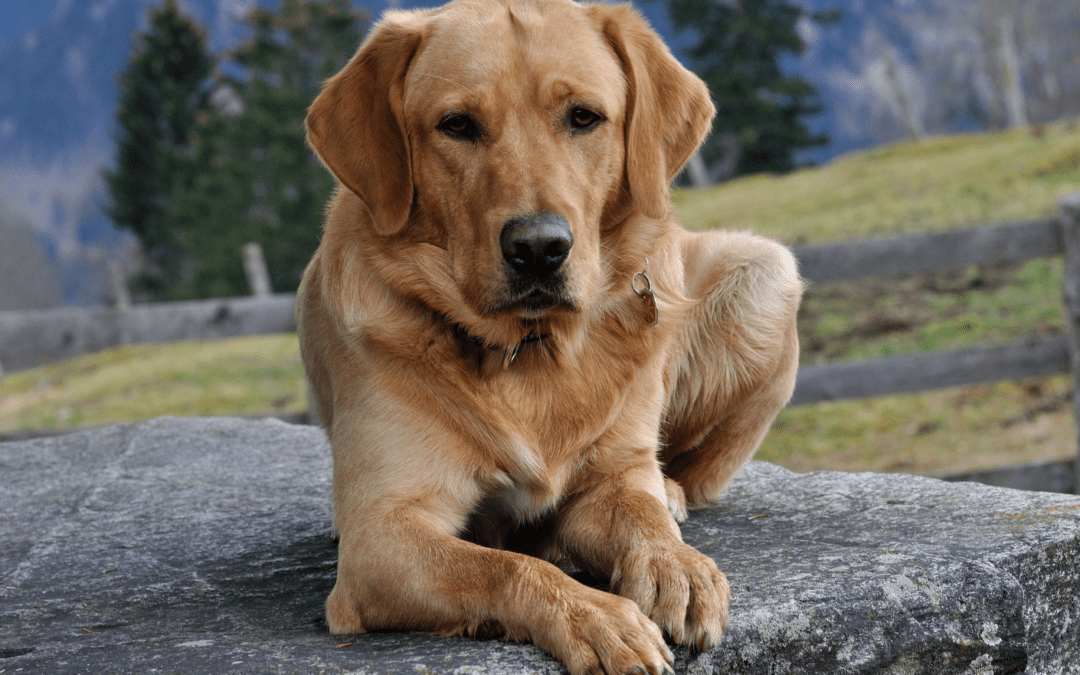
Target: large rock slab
203	545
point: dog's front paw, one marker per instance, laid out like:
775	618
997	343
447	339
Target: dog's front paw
342	616
680	589
596	632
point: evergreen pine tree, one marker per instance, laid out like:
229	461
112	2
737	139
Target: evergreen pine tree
163	90
736	47
258	180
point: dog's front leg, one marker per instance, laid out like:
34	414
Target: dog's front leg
404	571
619	527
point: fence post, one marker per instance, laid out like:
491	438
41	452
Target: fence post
1070	293
121	296
255	269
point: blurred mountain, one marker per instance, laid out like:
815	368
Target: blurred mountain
58	94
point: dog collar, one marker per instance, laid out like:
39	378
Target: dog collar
509	353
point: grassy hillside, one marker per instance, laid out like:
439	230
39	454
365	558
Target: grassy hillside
247	375
936	184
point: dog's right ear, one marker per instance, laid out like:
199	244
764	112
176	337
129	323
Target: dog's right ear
356	126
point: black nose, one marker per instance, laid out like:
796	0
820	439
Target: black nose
536	244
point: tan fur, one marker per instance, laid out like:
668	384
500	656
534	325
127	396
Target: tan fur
439	440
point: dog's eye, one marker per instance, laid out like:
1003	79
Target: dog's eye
582	119
460	126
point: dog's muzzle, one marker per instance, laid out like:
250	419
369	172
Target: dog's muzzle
534	248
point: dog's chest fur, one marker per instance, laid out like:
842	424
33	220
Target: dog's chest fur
546	418
544	387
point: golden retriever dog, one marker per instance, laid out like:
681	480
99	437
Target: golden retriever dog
518	354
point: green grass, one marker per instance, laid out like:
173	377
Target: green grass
932	185
885	317
936	184
239	376
938	432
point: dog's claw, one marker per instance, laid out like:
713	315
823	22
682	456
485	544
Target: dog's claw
681	590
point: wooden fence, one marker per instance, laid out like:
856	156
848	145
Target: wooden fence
33	338
922	253
28	339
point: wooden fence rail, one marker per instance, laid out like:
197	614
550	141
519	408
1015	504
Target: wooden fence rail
924	371
32	338
907	254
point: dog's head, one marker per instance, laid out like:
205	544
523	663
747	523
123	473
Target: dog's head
516	136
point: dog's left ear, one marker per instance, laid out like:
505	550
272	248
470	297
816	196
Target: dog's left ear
668	108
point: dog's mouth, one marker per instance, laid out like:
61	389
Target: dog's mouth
536	299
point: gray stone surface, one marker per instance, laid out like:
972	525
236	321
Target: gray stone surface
203	546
